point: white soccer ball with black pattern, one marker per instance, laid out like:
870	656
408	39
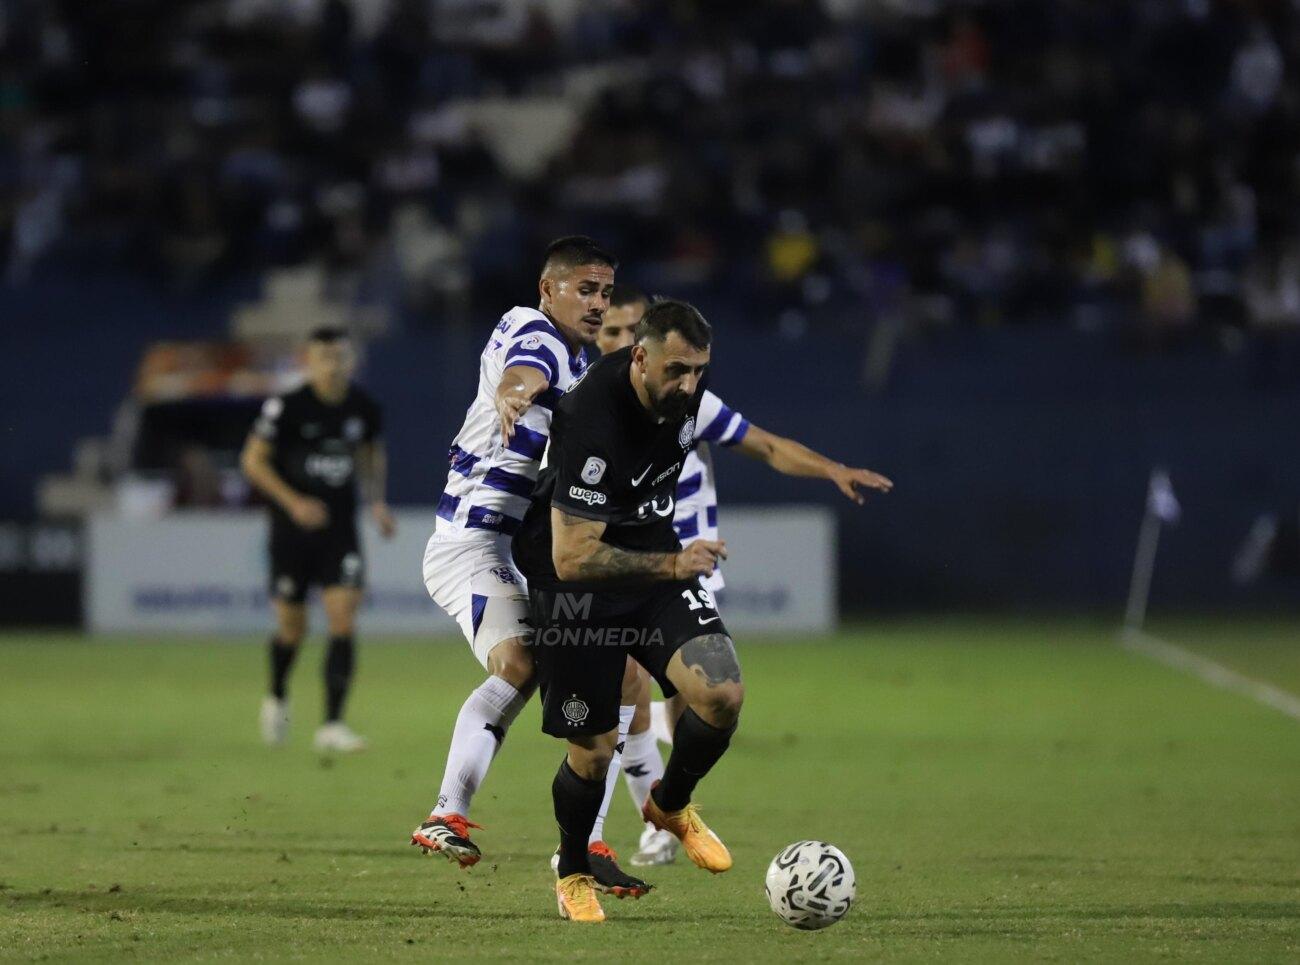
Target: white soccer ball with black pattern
810	885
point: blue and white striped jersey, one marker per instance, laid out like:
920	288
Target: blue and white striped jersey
696	515
490	482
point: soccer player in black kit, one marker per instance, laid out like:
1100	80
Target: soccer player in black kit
305	454
608	577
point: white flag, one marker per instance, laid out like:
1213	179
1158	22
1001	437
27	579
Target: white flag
1161	501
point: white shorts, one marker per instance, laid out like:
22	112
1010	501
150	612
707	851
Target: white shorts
477	583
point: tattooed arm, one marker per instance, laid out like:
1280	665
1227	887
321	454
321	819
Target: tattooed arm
579	554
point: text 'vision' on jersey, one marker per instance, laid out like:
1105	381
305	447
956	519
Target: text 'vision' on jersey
490	481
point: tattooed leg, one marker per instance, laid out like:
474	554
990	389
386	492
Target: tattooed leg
707	673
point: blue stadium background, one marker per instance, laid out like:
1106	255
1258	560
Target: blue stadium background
1020	457
1012	254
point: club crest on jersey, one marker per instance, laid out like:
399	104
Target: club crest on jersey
575	710
687	432
593	471
505	575
531	342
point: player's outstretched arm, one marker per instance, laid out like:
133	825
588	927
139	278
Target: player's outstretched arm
579	554
795	459
519	386
374	484
256	463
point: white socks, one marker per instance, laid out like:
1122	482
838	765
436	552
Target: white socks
659	722
625	713
642	766
480	728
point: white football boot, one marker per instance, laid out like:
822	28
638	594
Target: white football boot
337	737
274	720
656	847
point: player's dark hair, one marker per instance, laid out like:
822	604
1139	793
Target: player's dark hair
328	334
667	316
624	295
574	251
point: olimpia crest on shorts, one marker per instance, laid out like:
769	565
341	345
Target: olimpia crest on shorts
575	710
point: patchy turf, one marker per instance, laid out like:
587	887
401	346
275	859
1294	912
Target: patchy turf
1005	790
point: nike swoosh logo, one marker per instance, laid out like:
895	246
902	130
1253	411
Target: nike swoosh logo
636	480
709	620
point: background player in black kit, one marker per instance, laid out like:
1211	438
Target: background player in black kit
607	577
305	453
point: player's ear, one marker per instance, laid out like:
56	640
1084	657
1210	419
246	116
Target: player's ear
544	288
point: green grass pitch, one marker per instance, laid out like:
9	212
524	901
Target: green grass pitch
1006	791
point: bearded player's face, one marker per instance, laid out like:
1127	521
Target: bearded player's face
672	370
576	299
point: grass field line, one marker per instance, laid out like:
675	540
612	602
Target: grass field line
1213	673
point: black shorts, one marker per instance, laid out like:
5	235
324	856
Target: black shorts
304	558
581	642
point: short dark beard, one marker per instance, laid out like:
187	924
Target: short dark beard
671	407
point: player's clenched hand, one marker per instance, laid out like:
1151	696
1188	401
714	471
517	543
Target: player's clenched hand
383	517
699	559
509	409
849	480
309	513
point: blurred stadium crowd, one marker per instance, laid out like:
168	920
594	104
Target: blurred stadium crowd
1095	163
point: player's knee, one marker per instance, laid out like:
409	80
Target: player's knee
341	611
722	703
631	682
674	707
591	763
640	719
290	629
513	664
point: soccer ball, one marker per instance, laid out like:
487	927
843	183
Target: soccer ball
810	885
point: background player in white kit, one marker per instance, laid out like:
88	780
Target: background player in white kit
530	361
696	517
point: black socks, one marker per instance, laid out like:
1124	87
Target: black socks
340	659
577	802
282	657
697	746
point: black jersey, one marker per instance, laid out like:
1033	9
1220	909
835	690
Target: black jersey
315	447
609	460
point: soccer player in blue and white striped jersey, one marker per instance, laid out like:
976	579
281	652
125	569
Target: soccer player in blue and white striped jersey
531	359
696	517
